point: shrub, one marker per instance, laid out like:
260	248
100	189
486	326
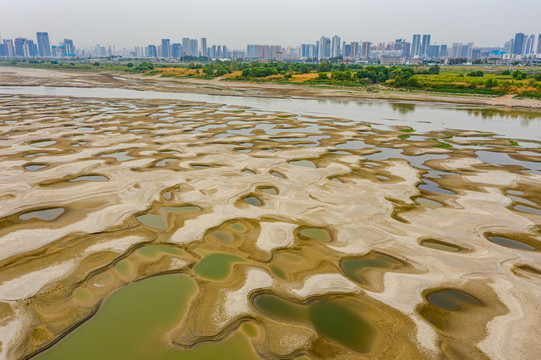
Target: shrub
491	83
519	75
322	76
221	71
413	82
477	73
434	70
506	72
145	66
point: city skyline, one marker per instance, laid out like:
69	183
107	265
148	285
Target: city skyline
241	22
421	46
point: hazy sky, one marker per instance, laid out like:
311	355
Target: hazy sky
235	23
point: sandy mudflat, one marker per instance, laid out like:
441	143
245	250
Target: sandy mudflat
10	76
429	237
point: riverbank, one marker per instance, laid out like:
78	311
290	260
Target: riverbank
13	76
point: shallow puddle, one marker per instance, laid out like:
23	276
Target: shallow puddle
439	245
164	162
216	266
511	243
157	222
527	209
223	236
97	178
318	234
336	320
354	268
238	227
341	322
425	201
42	144
304	163
167	195
35	167
452	299
269	190
279	309
34	155
153	251
351	145
180	209
252	200
119	156
132	322
277	174
47	215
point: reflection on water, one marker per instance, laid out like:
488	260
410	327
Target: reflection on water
427	117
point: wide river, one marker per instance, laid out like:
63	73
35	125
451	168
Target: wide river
420	116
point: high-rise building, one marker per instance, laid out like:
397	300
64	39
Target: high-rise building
365	50
520	43
507	47
204	50
529	45
21	48
425	45
324	51
177	50
250	51
69	48
32	48
166	48
151	51
415	45
335	49
194	48
185	46
443	51
539	45
434	51
9	49
43	44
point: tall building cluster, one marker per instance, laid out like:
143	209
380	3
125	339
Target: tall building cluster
523	45
421	47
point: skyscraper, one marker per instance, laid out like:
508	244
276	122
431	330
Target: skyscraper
365	50
185	46
177	50
69	48
335	52
324	51
425	45
204	50
151	51
519	45
416	45
194	48
43	44
166	48
443	51
21	48
539	44
529	45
